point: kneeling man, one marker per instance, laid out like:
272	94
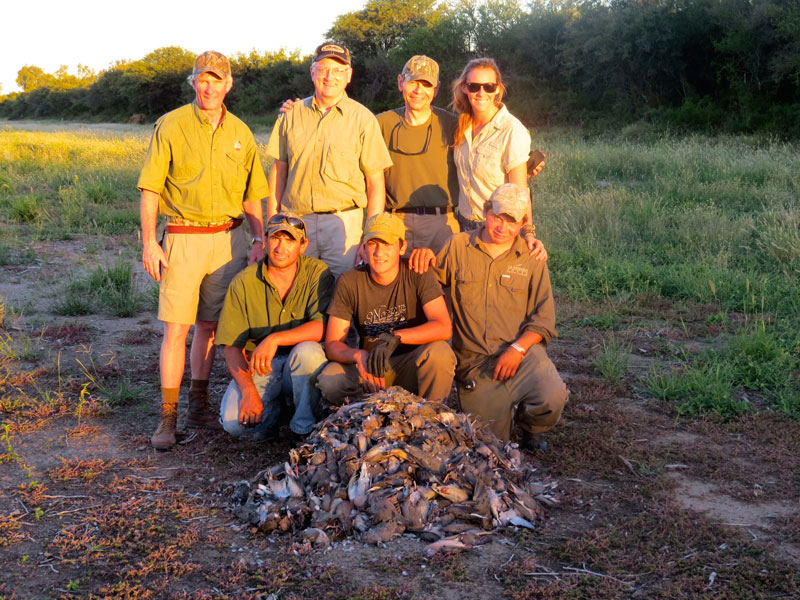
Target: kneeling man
271	326
401	318
504	318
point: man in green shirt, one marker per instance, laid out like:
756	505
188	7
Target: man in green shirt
203	173
271	326
329	162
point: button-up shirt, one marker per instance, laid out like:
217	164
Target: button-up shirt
253	307
495	300
483	160
201	173
328	153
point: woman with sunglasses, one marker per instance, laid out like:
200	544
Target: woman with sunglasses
491	145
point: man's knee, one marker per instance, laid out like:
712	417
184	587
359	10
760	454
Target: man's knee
306	358
439	357
229	410
542	409
334	383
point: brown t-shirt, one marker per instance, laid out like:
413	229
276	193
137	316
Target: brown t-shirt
495	300
377	308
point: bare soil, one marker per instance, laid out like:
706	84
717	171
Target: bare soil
654	506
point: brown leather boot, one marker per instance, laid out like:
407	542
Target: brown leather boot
200	414
164	437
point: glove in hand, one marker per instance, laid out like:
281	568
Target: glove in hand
378	361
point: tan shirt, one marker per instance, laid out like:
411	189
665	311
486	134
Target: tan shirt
495	300
328	153
199	173
483	161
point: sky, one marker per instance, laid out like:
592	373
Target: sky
96	33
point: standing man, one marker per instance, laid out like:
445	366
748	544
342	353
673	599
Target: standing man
202	172
271	326
504	318
401	319
329	162
422	183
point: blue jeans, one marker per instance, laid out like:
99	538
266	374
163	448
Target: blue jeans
293	375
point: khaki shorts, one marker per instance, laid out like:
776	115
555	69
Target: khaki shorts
201	265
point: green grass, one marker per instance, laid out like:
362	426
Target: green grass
612	361
109	290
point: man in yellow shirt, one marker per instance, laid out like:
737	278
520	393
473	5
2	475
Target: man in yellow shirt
203	173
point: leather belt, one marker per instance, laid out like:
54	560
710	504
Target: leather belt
423	210
333	212
227	226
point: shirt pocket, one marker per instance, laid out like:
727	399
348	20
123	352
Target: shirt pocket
487	159
513	292
341	162
469	289
235	175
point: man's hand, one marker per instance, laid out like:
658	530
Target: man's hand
378	361
256	252
421	259
507	365
153	259
535	247
251	408
261	360
287	105
370	382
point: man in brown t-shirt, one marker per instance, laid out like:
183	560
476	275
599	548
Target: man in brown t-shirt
401	318
503	319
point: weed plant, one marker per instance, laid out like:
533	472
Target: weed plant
612	361
109	290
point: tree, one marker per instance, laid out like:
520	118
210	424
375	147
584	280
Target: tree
31	77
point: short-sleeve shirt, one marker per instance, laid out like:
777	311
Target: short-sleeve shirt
199	173
495	300
253	307
328	153
423	172
377	308
483	161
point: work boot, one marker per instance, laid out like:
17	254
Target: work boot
164	437
200	414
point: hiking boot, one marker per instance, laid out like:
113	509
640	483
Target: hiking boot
200	414
533	442
164	437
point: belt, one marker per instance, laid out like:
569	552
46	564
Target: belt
423	210
333	212
226	226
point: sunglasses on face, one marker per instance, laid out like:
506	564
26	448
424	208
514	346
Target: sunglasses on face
489	88
281	219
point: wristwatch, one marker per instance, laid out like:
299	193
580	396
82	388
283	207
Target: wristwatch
528	229
257	239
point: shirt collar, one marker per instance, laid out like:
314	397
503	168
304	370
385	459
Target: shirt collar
518	247
340	106
203	118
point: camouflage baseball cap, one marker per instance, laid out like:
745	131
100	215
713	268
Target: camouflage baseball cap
510	199
288	222
212	62
331	50
386	227
421	68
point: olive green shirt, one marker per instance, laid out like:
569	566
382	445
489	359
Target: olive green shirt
328	154
495	300
199	173
423	173
253	307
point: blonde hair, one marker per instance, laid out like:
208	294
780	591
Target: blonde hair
461	103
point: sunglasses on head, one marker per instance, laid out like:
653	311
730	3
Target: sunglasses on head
489	88
281	219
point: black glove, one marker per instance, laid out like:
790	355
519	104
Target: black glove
378	361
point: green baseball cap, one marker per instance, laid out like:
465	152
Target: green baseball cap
385	227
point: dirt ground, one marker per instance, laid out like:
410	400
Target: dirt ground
653	506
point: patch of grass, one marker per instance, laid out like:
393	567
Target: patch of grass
110	290
27	209
600	321
21	347
760	360
612	362
13	256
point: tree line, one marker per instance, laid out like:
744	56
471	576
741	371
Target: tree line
716	65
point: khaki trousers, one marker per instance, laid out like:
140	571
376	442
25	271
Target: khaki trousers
535	396
426	371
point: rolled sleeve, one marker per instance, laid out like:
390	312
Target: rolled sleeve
233	328
156	162
374	156
541	313
518	147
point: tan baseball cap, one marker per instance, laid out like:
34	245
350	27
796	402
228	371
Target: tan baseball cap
212	62
385	227
331	50
288	222
510	199
421	68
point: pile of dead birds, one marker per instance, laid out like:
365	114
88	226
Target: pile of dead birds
392	464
